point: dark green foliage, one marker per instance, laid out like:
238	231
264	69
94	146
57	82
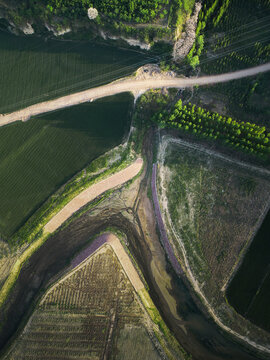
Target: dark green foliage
238	29
236	40
249	290
243	135
48	151
126	10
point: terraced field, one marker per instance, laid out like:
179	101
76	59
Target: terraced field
87	315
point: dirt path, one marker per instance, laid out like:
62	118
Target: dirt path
91	193
124	86
125	261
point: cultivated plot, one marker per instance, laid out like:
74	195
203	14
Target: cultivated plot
36	69
89	314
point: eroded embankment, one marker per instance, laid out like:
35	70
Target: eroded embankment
194	330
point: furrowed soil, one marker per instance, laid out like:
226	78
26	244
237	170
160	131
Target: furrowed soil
89	314
130	211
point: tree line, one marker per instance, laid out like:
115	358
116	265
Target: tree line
138	11
246	136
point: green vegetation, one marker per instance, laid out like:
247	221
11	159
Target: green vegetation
249	291
179	10
74	317
13	276
239	30
126	348
248	137
140	11
49	150
236	32
209	209
35	69
166	336
236	36
145	20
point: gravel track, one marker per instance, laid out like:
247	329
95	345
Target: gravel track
124	86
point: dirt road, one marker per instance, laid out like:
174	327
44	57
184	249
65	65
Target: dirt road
124	86
91	193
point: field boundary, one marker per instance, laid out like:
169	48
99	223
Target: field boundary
162	333
194	283
91	193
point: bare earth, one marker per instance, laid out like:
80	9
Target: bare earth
124	86
91	193
125	261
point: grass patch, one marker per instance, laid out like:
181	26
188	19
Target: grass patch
209	203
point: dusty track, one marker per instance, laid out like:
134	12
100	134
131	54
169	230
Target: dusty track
91	193
124	86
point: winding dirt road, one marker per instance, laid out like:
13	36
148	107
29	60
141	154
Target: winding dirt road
91	193
124	86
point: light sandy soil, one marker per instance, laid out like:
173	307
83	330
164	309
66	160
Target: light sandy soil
91	193
184	44
125	86
125	261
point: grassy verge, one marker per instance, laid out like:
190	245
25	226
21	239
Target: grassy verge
166	337
80	182
10	282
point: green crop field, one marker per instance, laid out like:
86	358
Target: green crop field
35	69
249	290
38	156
